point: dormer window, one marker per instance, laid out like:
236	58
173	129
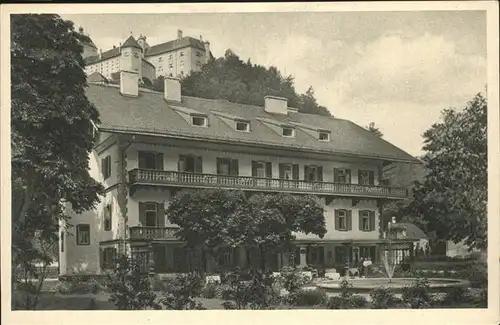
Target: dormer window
199	120
288	132
324	136
242	126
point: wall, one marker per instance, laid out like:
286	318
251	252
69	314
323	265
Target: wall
106	67
148	71
355	233
171	156
162	62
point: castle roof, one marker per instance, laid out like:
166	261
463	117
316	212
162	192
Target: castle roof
175	45
97	77
131	42
150	114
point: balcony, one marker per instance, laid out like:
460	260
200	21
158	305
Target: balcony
195	180
153	233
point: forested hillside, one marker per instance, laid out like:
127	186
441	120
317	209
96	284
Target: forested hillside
242	82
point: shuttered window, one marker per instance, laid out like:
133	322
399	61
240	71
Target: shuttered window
226	166
313	173
289	171
342	175
190	164
262	169
106	167
83	234
152	214
107	217
343	220
366	177
366	220
150	160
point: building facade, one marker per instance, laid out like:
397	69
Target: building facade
150	145
176	58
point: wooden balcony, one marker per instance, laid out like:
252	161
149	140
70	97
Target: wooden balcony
153	233
195	180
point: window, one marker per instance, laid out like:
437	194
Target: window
170	57
366	177
313	173
367	252
261	169
324	136
198	54
242	126
342	175
190	164
226	166
150	160
343	220
199	120
83	234
151	214
198	63
108	257
62	241
106	167
288	131
367	220
289	171
160	59
107	218
182	54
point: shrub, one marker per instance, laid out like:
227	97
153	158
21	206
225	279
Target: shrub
292	279
181	293
211	290
417	295
303	297
257	293
383	298
78	285
480	300
346	299
477	274
456	297
130	289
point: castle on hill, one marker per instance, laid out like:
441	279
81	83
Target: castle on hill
175	58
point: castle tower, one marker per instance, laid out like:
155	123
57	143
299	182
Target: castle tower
131	57
142	42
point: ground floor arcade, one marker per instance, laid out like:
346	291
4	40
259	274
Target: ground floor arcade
175	257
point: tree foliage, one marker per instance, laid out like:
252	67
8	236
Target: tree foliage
52	132
242	82
215	218
452	198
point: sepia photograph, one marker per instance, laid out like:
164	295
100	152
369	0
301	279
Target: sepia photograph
250	160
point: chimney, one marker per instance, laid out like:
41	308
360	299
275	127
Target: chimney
276	105
100	54
129	83
201	38
179	33
172	92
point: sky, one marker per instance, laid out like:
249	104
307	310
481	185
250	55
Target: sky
396	69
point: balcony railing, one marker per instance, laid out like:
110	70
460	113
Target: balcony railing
150	233
183	179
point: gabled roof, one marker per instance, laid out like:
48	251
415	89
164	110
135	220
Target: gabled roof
174	45
151	114
114	52
97	77
131	42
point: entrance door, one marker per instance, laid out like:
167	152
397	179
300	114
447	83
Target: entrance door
355	256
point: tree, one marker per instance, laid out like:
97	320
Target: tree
242	82
453	195
52	132
212	219
374	130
